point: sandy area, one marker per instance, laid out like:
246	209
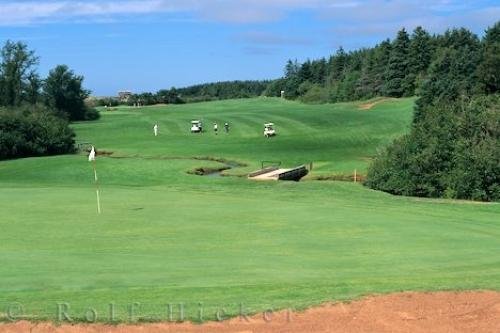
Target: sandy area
402	312
368	106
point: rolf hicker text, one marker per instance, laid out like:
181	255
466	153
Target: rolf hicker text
135	312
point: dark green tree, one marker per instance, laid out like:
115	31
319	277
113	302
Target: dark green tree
336	65
16	67
291	68
318	71
365	86
453	148
305	72
170	96
32	93
398	84
381	58
452	74
489	69
63	92
33	131
421	51
274	88
420	56
458	39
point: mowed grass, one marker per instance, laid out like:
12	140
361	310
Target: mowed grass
338	137
167	237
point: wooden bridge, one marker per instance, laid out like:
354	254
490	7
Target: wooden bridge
277	173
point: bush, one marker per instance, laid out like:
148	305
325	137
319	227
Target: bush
453	151
315	95
91	114
274	88
105	101
33	131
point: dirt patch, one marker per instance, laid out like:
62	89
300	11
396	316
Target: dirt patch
103	153
401	312
371	104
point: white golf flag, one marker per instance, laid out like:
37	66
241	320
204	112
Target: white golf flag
92	154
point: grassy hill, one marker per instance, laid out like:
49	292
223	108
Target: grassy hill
169	237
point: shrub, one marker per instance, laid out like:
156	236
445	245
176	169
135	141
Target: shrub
91	114
453	151
33	131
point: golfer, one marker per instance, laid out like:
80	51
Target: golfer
226	127
216	128
155	129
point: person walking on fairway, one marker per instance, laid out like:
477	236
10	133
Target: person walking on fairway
155	129
226	127
216	128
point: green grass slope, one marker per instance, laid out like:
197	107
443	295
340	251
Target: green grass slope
338	137
167	237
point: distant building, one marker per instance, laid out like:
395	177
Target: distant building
124	96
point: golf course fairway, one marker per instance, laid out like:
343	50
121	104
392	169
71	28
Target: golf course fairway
223	245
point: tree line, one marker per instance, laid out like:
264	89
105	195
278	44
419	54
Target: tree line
393	68
35	112
453	147
219	90
197	93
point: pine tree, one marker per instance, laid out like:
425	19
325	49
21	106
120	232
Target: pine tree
381	62
398	69
318	71
337	65
291	68
305	72
365	85
453	73
489	69
420	56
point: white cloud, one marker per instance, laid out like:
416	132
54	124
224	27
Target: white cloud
240	11
29	12
361	12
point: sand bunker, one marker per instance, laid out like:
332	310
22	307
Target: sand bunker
401	312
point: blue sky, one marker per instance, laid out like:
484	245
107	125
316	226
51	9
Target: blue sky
153	44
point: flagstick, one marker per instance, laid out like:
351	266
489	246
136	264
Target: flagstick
97	188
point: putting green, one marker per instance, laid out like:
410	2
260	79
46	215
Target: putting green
167	237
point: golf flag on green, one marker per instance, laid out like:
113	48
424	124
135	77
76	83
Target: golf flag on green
92	154
92	159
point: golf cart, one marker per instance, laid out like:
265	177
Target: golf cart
269	130
196	126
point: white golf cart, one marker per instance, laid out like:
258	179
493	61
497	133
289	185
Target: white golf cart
269	130
196	126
